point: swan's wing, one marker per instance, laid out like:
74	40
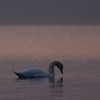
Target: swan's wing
32	72
37	72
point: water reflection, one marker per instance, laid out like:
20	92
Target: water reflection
56	87
52	81
39	87
31	81
56	83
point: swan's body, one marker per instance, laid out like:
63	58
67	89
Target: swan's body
38	73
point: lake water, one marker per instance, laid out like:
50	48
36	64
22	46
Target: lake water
77	47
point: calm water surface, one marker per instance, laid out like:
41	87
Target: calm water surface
77	47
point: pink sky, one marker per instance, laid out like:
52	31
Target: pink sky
50	41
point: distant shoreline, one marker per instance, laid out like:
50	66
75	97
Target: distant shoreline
50	22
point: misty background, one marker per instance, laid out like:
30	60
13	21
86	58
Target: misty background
49	11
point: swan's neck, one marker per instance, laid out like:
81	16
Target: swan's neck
51	69
52	65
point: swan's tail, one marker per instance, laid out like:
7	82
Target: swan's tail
15	72
18	74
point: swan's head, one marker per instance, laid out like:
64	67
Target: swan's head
53	64
59	65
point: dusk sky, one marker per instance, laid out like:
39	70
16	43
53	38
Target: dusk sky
49	11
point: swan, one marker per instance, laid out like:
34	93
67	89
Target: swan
38	73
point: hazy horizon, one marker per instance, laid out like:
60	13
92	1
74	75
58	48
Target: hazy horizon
43	42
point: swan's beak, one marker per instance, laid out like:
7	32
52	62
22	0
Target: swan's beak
62	71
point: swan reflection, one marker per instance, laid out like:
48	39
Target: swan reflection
56	87
56	83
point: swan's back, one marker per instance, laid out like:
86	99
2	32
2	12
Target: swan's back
32	72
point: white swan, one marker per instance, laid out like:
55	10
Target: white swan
38	73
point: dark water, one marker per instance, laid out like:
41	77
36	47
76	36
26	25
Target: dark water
77	47
80	81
